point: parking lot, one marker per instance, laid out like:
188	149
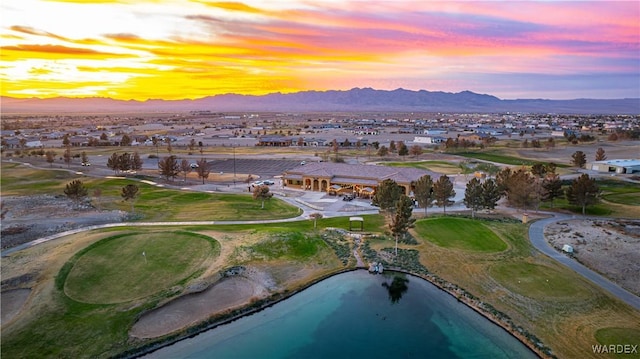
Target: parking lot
263	168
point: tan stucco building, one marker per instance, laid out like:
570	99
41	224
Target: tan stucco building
361	180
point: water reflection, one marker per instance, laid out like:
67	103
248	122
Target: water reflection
397	288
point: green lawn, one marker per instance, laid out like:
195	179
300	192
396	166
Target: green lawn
460	233
114	269
538	281
615	191
504	159
619	336
435	166
153	203
293	245
620	192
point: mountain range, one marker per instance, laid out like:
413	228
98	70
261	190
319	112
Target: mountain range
357	99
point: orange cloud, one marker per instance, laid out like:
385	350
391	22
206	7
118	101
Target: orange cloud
32	31
52	51
234	6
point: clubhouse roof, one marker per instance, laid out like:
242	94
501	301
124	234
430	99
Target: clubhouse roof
327	177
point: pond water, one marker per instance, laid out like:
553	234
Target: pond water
357	315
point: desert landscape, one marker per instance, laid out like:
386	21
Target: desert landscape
610	247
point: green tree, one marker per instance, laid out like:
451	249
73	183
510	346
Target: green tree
113	163
383	151
66	140
401	220
490	194
415	150
392	146
387	194
579	159
75	190
600	155
203	169
84	157
473	196
262	193
126	140
539	169
423	191
551	168
50	157
169	168
583	192
403	150
124	162
551	188
67	156
443	191
136	162
130	192
519	188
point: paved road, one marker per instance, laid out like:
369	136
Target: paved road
536	236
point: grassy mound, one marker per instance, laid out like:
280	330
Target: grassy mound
115	270
538	281
460	233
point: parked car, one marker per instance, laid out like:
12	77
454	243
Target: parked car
348	197
86	164
194	165
258	183
268	182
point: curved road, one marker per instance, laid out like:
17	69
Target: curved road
536	236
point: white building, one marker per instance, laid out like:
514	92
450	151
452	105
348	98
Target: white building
616	166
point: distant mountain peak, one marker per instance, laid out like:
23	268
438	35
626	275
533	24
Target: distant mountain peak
364	99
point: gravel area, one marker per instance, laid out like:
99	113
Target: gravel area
610	247
28	218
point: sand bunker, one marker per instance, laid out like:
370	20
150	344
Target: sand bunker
191	309
12	303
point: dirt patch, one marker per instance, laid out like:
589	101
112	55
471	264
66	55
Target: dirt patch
32	217
610	247
12	303
229	293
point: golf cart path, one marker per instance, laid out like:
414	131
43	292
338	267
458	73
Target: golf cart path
536	236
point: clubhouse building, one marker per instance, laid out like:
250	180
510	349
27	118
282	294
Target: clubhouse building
360	180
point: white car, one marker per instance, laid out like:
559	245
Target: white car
258	183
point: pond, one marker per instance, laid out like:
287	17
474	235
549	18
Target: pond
357	315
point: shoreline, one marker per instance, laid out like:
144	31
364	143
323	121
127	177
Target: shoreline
275	298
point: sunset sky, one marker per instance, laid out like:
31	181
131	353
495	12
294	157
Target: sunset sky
141	49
